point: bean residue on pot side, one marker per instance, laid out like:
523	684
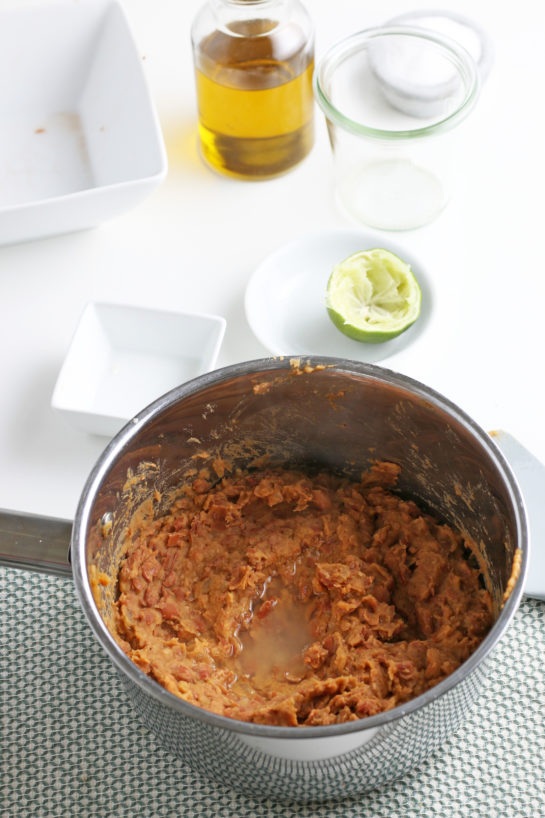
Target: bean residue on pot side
279	597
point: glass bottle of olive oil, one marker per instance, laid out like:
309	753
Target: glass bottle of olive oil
253	64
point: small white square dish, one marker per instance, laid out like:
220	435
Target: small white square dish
80	141
122	358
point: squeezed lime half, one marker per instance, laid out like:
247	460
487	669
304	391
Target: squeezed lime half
373	296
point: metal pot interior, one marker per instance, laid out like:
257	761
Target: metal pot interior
326	412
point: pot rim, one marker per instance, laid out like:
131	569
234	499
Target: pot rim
169	700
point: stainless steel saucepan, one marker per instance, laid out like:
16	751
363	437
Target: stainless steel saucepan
340	414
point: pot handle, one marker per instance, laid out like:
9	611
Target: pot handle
35	543
530	475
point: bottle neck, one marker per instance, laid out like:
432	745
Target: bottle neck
253	8
249	3
230	13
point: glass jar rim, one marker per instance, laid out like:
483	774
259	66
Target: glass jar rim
346	47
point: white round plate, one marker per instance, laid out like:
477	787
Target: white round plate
285	298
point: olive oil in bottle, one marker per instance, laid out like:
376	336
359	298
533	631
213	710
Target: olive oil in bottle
253	63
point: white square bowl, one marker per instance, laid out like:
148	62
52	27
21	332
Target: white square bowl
122	358
80	141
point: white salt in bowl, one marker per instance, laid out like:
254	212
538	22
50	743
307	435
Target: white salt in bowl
121	358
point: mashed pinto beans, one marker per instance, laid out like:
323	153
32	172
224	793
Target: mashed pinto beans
277	597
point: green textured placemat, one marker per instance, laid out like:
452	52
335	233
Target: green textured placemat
72	746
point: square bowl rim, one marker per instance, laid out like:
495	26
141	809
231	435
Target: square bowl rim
95	191
63	400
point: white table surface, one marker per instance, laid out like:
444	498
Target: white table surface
195	242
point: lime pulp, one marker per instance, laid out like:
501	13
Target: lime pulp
373	296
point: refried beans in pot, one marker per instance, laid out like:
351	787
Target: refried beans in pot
280	597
